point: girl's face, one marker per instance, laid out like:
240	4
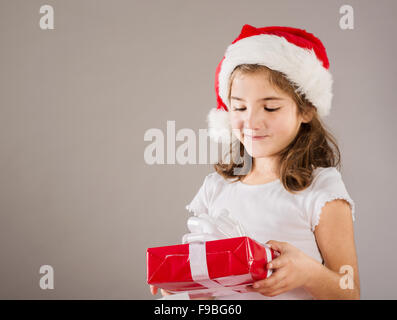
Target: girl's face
263	118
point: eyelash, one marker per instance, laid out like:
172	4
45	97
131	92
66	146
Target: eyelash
267	109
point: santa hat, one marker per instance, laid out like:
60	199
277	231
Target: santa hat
299	55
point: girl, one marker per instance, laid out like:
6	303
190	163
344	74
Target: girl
273	87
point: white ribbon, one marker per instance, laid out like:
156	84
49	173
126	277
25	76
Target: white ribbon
268	259
199	270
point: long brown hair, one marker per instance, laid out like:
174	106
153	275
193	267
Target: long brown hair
314	146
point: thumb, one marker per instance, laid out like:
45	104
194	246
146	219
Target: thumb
277	245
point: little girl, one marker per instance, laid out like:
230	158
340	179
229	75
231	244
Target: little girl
273	87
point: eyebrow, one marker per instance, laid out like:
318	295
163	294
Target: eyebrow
262	99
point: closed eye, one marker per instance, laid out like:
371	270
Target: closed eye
267	109
271	110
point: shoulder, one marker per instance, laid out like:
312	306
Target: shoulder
324	173
326	181
325	177
215	178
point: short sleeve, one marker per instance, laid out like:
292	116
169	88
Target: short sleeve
200	202
327	185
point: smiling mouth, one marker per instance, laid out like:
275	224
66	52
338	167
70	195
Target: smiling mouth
255	137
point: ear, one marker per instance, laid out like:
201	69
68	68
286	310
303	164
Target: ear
307	116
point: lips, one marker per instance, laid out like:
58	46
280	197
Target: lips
255	137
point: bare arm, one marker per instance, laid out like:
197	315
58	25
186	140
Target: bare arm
335	239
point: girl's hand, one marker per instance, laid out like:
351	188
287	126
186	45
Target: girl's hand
154	291
291	269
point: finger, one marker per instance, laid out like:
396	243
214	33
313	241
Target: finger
279	280
275	278
275	291
282	282
277	245
153	289
277	263
270	289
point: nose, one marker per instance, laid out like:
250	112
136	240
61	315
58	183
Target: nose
255	119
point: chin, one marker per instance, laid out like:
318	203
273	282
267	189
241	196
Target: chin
257	153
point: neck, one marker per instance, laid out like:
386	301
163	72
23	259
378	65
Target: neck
265	167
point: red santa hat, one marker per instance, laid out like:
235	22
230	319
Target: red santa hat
299	55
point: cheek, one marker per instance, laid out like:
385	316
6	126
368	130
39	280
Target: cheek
236	122
285	129
237	125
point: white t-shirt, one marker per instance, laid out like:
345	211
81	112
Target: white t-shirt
269	212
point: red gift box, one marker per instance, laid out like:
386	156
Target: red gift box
230	263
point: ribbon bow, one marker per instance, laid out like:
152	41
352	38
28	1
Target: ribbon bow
207	228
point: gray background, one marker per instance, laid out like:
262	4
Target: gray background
75	102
